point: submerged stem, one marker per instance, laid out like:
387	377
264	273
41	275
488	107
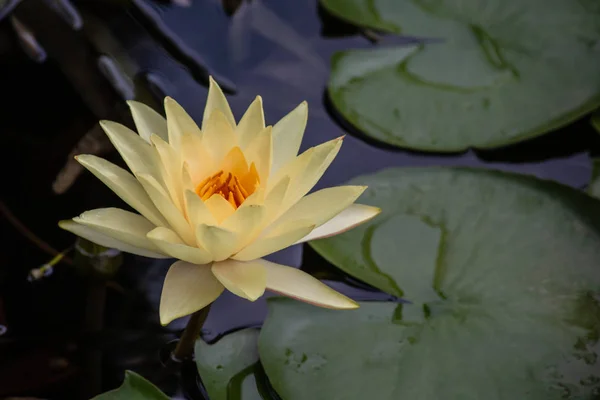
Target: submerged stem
185	346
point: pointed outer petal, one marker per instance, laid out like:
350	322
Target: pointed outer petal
260	152
218	136
197	211
147	121
352	216
277	240
216	101
321	206
252	123
169	243
320	159
247	221
123	225
219	207
218	241
201	163
171	169
163	203
106	241
299	285
287	136
292	170
188	288
138	154
124	185
179	123
244	279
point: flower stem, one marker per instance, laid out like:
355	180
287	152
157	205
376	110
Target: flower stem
185	346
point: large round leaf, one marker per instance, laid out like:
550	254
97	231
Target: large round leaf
226	367
594	186
503	272
134	387
502	70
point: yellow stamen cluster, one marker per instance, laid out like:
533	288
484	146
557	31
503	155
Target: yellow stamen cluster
226	185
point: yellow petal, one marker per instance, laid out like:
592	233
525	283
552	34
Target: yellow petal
320	206
292	170
352	216
218	241
147	121
178	123
284	237
169	243
287	136
200	161
188	288
304	171
251	124
244	279
244	218
274	199
256	198
197	211
107	241
299	285
260	152
170	169
218	136
167	208
186	181
123	225
320	159
235	162
247	221
216	101
138	154
124	185
219	207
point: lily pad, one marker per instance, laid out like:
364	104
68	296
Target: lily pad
594	187
134	387
503	277
499	72
227	368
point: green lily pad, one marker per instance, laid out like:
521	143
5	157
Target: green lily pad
502	71
503	275
134	387
594	187
227	368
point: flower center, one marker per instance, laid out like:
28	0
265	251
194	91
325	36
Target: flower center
234	181
224	184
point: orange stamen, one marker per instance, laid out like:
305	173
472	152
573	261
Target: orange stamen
231	200
235	181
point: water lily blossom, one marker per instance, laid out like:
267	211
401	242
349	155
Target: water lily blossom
219	198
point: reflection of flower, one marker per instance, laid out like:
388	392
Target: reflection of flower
219	199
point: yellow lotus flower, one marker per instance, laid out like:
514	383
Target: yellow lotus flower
218	199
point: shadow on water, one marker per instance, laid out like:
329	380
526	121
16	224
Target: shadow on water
575	138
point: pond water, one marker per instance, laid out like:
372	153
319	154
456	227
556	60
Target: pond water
280	50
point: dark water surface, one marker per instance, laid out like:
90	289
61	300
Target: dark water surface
277	49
